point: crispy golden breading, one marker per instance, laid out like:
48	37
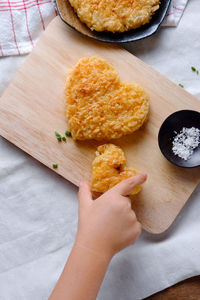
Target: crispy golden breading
109	168
99	106
115	15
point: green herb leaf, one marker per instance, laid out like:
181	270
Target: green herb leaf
59	138
57	134
55	166
193	69
197	71
64	139
182	86
68	133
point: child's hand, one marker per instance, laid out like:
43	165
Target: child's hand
105	226
108	224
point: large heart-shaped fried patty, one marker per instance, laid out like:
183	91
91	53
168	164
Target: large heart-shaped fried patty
109	168
115	15
100	106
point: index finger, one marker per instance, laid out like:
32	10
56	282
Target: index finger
126	186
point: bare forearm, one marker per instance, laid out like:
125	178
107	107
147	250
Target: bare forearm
106	226
82	275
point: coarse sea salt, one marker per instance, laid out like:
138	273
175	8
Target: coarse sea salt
185	142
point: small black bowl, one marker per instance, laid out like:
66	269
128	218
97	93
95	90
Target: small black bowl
124	37
175	123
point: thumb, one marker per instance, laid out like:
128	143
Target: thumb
126	186
84	194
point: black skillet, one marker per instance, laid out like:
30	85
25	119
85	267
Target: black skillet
68	15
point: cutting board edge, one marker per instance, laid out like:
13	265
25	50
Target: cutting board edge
171	224
57	171
145	227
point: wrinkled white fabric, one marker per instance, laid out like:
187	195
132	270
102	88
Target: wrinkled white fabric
22	22
175	12
38	209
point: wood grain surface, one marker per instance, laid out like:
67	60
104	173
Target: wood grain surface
186	290
32	108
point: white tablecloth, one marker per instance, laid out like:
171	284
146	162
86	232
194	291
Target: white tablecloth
38	209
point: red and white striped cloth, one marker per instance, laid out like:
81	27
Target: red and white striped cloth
175	12
22	21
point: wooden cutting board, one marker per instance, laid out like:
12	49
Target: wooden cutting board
32	108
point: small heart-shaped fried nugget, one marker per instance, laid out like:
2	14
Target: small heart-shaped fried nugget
109	168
